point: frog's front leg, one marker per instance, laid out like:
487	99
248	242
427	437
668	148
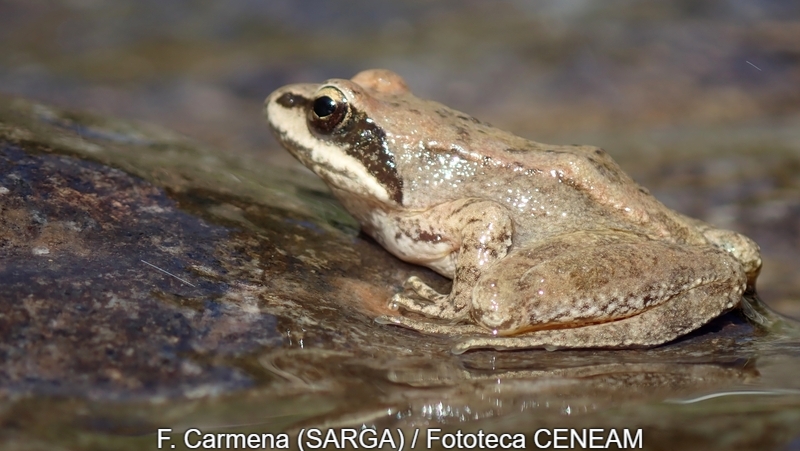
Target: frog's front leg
480	233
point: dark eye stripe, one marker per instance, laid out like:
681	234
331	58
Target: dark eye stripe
366	142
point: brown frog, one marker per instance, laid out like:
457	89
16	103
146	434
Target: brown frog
548	245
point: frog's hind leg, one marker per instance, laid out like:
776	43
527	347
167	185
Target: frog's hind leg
655	326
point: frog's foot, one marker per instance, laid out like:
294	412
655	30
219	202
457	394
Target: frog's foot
428	302
431	327
422	289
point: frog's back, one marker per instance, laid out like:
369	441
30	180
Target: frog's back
553	189
550	189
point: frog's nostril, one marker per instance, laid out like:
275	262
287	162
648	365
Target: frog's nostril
289	100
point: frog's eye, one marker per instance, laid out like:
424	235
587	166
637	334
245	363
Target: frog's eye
329	111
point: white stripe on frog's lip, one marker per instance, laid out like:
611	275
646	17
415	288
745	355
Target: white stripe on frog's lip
330	162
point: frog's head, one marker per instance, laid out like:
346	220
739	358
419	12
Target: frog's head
334	128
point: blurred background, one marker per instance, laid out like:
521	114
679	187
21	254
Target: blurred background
699	100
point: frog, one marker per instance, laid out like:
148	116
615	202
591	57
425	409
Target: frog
547	246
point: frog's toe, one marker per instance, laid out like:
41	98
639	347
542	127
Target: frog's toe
430	327
387	319
407	302
412	282
422	289
500	344
441	307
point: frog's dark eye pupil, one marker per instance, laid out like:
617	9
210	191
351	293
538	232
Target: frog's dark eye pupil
324	106
329	112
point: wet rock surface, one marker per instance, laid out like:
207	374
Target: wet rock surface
83	310
113	288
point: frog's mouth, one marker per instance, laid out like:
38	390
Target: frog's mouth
334	160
